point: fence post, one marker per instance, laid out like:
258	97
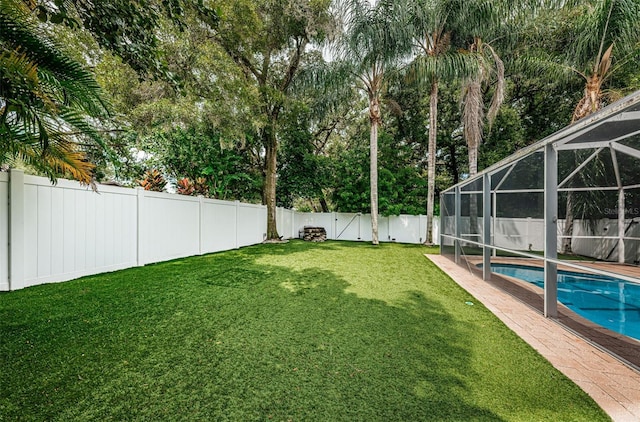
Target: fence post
334	225
293	224
200	225
140	221
237	222
16	229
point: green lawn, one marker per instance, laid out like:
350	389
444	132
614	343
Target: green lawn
297	331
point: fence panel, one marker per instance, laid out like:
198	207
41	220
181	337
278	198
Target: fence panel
219	222
519	233
406	229
64	231
357	226
285	223
603	244
169	226
349	226
435	229
384	229
63	237
252	224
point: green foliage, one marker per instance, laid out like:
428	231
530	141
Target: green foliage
506	137
46	100
303	170
402	181
197	153
332	331
236	104
128	28
269	42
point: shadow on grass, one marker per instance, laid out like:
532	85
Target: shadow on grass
174	341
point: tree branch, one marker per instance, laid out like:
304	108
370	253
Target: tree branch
301	44
245	64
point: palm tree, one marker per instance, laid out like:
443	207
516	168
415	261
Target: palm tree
473	115
604	40
46	99
607	40
432	26
367	54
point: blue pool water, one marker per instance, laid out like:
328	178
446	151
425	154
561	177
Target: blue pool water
607	301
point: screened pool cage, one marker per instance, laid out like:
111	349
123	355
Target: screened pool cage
570	201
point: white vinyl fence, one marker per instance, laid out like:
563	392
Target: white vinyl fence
59	232
348	226
52	233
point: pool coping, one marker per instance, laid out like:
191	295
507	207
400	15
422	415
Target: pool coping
612	383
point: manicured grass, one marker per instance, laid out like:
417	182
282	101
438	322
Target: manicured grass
297	331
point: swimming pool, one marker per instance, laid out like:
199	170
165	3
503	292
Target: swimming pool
607	301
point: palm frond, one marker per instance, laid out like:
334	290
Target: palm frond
603	23
544	64
448	66
498	96
473	113
45	95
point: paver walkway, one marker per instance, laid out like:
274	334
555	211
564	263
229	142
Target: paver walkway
612	384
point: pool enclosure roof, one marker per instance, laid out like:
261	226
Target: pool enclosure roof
614	128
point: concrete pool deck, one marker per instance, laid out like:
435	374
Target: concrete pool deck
614	385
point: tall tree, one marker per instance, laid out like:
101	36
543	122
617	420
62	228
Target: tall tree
432	24
367	54
600	41
46	99
491	21
607	40
268	40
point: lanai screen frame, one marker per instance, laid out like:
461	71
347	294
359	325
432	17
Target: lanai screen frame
605	129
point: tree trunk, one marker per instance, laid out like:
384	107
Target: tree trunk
375	117
271	152
589	104
453	164
431	164
473	199
323	204
568	226
591	101
473	160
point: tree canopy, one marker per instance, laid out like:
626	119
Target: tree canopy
323	105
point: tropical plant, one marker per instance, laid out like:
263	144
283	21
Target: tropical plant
473	114
185	186
607	40
153	180
48	101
